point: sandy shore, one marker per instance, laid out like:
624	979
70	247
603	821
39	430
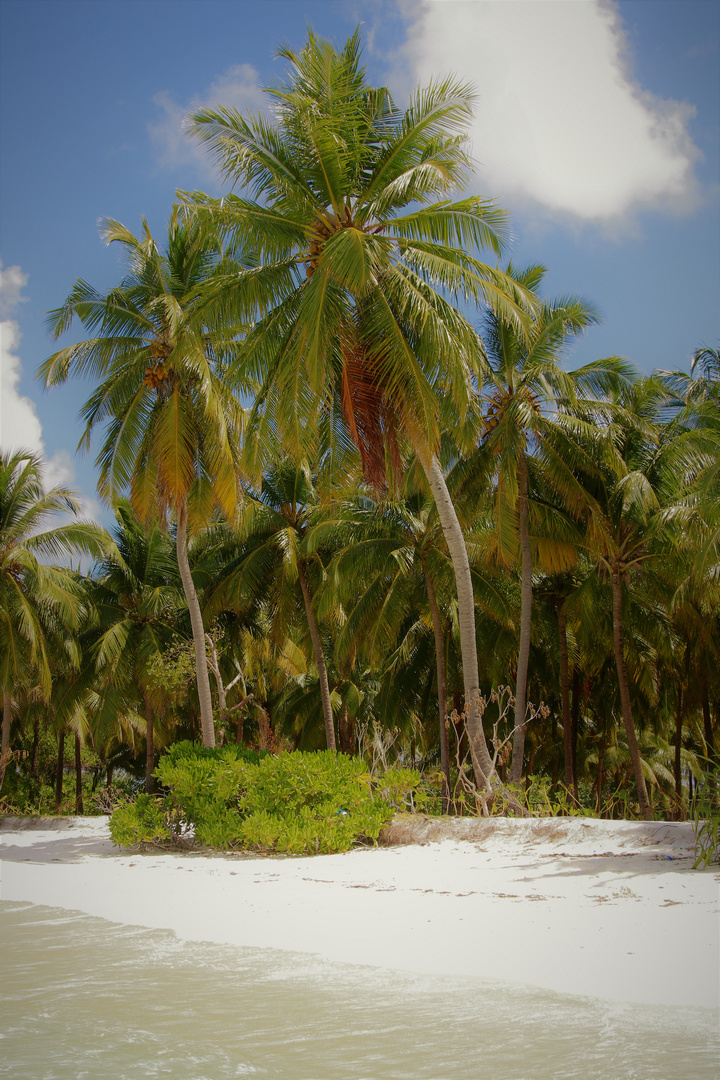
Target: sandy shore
600	908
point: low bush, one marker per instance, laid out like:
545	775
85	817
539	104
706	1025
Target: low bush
297	803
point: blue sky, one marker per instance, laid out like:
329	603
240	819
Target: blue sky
597	126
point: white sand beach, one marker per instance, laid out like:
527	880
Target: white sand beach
601	908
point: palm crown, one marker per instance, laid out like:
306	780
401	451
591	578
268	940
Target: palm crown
355	264
158	357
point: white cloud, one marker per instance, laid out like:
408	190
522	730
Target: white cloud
20	426
12	282
559	121
237	88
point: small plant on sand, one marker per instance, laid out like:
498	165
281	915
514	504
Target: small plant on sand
705	812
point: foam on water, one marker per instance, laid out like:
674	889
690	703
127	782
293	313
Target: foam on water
86	999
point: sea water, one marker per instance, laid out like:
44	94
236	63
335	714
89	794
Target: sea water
86	998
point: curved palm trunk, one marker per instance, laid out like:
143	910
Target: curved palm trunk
645	808
319	660
150	746
565	695
516	765
198	631
441	689
5	744
482	763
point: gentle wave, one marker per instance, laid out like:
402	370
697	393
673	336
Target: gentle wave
86	998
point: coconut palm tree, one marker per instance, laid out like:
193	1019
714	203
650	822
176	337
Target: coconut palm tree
523	383
634	482
138	601
35	598
271	556
173	427
355	267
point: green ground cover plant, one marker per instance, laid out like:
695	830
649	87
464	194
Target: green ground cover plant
293	802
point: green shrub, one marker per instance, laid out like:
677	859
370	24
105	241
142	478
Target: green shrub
705	815
140	822
297	803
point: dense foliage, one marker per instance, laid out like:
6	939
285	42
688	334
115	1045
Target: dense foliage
347	518
294	803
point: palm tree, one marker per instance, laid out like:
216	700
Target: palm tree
386	579
272	555
354	270
138	604
633	480
523	381
34	597
172	424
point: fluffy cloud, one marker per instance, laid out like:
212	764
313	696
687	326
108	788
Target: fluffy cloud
20	427
236	88
559	120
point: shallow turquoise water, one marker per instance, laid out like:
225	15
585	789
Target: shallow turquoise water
86	998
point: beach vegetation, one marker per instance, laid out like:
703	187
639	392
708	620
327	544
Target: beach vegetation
366	512
290	803
171	426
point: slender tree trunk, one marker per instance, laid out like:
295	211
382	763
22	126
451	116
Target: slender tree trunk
5	741
516	764
59	772
150	746
240	727
645	808
707	719
442	691
346	733
678	747
576	695
481	760
109	778
79	807
198	632
600	776
319	660
565	695
36	744
215	665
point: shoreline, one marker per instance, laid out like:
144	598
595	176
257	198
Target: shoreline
605	909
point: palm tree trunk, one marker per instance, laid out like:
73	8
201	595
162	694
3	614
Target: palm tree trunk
35	745
59	773
482	763
150	746
678	747
319	660
565	694
576	693
5	742
645	808
707	719
198	632
79	807
516	764
441	689
600	776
